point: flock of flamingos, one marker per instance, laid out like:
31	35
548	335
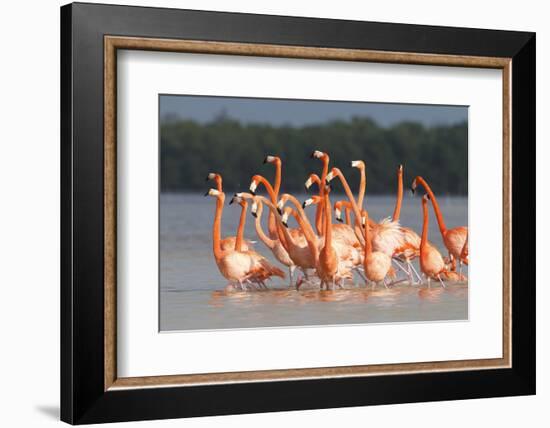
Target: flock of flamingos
328	254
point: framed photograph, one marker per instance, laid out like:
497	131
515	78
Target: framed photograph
266	213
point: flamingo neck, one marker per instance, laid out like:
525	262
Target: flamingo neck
425	221
368	243
347	207
216	228
438	214
270	243
399	200
302	214
219	183
362	188
271	224
311	239
240	230
285	237
347	190
277	181
328	221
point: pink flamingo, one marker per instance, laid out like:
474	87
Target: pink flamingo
454	239
238	266
230	241
431	261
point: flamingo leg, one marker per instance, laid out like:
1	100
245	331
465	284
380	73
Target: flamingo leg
441	281
416	272
385	282
291	269
398	264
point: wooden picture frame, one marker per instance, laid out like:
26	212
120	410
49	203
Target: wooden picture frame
91	390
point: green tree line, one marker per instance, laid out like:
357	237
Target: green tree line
190	150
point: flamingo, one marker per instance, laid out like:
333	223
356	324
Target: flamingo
327	267
325	159
411	241
274	245
230	241
377	264
275	160
238	266
275	233
455	240
431	261
343	205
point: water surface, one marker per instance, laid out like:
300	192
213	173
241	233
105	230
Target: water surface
191	287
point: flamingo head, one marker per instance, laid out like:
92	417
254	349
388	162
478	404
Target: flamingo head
284	218
272	159
338	211
413	186
239	200
213	192
313	178
364	217
217	178
316	154
254	184
244	195
254	207
359	164
314	200
333	173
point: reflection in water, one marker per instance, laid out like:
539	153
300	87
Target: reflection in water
190	283
289	307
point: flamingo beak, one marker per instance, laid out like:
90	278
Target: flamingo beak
253	187
285	219
329	177
312	154
207	193
338	215
412	190
254	209
308	183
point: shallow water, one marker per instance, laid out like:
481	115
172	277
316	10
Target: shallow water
191	287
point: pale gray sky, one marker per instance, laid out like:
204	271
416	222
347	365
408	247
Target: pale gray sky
303	112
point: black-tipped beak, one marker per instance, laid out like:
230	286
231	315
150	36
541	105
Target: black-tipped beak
280	211
340	220
207	178
312	155
254	214
428	197
252	192
303	205
231	201
285	223
265	159
307	189
412	190
206	194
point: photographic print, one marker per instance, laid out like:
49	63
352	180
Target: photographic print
286	212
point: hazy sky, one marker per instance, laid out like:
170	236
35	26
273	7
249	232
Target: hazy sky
298	112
